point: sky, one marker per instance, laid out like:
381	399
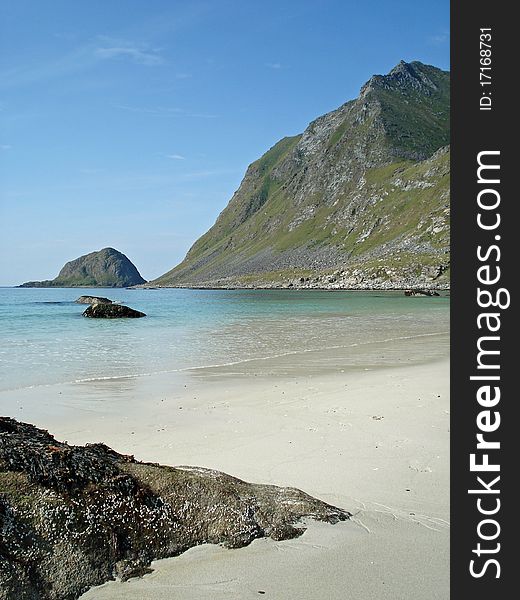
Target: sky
130	123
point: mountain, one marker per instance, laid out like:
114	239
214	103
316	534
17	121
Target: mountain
359	199
106	268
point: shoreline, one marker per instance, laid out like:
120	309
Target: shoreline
426	286
438	288
223	367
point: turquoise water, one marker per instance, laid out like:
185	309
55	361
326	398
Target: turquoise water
45	339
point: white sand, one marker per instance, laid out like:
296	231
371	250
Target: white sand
375	442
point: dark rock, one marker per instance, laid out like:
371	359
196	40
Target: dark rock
111	311
93	300
72	517
421	293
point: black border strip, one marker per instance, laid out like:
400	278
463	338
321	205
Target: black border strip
474	131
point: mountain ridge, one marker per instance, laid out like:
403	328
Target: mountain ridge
312	206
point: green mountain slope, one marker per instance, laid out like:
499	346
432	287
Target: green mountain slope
360	199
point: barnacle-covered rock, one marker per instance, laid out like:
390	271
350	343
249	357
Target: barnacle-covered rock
103	310
93	300
72	517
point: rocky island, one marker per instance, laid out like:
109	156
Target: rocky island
106	268
72	517
359	200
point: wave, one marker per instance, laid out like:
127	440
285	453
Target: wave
226	364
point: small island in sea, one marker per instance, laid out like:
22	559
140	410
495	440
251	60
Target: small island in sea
105	268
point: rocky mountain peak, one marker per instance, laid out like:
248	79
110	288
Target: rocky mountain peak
405	77
362	181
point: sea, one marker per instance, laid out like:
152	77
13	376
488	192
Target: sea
45	340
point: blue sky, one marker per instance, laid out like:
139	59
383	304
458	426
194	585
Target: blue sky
130	123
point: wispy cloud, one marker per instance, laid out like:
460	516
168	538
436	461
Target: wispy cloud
204	174
106	183
197	115
138	53
440	38
161	110
5	146
165	111
82	58
275	65
175	156
68	36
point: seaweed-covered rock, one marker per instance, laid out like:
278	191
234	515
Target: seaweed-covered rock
72	517
102	310
93	300
415	293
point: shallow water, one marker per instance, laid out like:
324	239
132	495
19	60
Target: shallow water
45	339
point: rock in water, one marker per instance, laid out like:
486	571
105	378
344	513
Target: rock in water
106	268
101	310
93	300
421	293
72	517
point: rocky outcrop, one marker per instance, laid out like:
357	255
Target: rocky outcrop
93	300
414	293
365	188
102	310
105	268
72	517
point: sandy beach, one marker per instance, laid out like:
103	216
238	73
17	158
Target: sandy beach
374	441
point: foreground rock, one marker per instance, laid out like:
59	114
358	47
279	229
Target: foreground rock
111	311
93	300
72	517
105	268
421	293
